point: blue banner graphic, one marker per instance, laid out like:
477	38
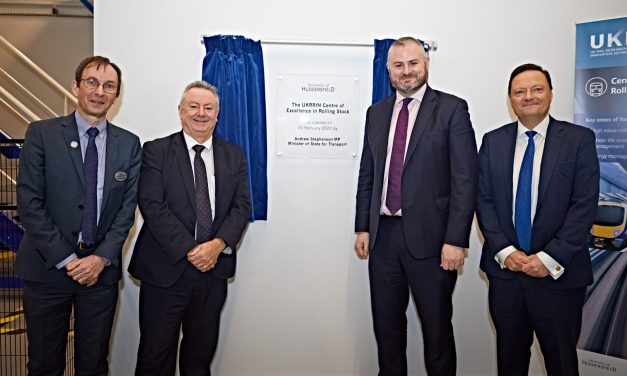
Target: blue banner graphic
601	104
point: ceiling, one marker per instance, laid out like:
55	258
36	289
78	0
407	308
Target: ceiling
45	8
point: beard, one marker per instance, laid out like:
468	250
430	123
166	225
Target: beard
412	87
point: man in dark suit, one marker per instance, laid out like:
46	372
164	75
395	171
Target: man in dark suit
194	197
76	196
538	192
415	203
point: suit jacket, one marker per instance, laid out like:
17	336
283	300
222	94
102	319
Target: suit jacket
568	192
439	182
167	201
50	198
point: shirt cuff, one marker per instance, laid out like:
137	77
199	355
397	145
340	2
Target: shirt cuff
501	256
107	262
66	261
549	262
228	251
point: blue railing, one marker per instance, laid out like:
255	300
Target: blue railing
11	231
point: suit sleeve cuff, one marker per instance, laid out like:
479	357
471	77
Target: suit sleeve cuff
549	262
502	255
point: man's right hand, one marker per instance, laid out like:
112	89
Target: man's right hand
516	260
361	245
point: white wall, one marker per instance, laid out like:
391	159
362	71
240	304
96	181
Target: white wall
299	304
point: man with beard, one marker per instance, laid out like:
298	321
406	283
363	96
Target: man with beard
415	203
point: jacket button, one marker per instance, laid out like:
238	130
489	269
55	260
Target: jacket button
81	207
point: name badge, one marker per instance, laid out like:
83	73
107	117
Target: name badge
120	176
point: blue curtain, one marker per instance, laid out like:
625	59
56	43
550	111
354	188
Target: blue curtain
234	64
381	86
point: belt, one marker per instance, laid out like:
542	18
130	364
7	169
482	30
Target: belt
83	246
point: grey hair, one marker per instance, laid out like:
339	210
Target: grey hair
404	41
202	85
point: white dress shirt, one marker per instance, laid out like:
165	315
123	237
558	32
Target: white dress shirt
555	269
207	157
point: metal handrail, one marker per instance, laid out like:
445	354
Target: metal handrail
68	96
28	92
15	102
16	112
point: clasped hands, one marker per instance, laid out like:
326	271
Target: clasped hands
204	256
86	270
531	265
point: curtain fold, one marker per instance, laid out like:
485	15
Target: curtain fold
234	64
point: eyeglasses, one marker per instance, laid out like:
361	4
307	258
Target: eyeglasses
92	84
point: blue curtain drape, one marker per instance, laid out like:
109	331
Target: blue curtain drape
234	64
381	86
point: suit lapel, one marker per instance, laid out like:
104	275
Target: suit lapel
181	154
550	157
219	162
110	155
507	150
379	134
427	106
70	135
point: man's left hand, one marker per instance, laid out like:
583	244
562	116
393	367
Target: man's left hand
205	256
452	257
535	267
86	270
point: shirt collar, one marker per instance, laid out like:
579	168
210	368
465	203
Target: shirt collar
540	129
83	125
417	95
190	142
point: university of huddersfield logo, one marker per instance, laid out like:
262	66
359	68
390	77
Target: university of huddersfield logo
596	86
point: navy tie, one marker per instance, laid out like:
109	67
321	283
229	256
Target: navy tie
90	170
397	159
203	203
522	218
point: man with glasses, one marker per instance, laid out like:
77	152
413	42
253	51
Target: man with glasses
76	195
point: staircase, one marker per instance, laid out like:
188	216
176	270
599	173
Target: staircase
27	93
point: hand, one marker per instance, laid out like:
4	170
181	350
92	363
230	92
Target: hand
535	267
86	270
361	245
516	260
205	256
452	257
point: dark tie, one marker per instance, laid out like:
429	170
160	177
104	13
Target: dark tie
395	171
203	203
90	170
522	218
